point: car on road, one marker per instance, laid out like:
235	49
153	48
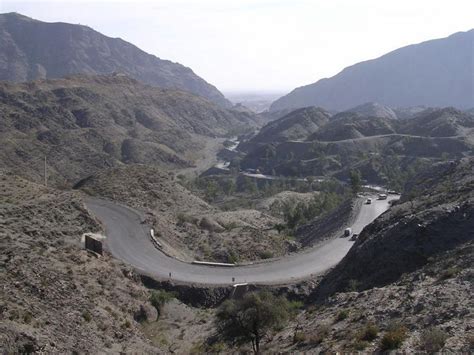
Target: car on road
347	232
354	236
382	196
368	201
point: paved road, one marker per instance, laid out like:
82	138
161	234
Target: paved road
129	241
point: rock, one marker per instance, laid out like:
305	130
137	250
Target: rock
146	313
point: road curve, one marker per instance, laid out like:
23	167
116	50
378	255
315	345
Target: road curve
129	240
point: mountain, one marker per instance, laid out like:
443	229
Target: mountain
447	122
435	73
349	125
296	125
385	151
374	109
83	124
31	49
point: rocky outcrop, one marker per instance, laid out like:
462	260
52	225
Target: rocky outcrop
329	225
194	295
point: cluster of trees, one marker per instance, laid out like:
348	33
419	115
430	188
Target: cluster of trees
215	188
252	318
296	213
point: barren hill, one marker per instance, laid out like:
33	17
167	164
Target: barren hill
85	123
31	49
433	73
55	296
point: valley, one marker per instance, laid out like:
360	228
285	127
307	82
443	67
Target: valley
142	211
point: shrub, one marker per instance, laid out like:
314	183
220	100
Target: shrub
369	333
27	317
266	254
433	340
321	333
342	315
449	273
360	345
159	298
393	338
232	257
352	285
87	316
299	337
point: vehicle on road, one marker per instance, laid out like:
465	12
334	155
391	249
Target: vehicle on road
354	236
382	196
368	201
347	232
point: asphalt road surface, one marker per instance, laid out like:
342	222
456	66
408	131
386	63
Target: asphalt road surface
129	241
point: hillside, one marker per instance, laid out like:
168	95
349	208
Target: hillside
55	296
85	123
349	125
188	227
31	49
374	109
385	151
435	215
406	284
434	73
296	125
447	122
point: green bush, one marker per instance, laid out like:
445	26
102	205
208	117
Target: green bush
360	345
342	315
266	254
159	298
369	333
394	337
433	340
87	316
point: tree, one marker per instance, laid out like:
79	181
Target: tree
252	318
355	181
159	298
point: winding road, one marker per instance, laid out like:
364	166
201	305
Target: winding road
129	240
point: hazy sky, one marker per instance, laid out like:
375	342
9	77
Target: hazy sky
261	45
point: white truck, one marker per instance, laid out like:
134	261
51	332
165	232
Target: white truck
347	232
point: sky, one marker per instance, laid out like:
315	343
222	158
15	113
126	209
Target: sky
261	45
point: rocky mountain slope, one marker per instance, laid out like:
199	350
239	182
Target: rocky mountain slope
55	296
85	123
374	109
384	150
296	125
435	215
434	73
31	49
406	284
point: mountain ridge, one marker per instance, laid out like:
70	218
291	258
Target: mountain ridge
445	80
31	49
